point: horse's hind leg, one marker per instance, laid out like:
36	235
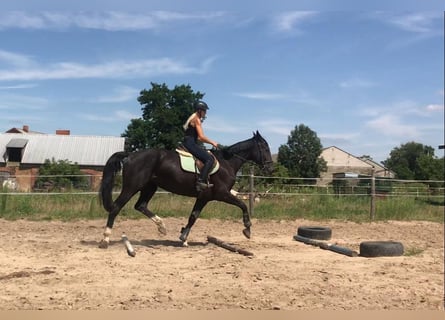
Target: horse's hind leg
141	205
118	204
197	208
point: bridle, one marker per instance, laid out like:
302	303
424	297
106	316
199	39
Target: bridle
263	164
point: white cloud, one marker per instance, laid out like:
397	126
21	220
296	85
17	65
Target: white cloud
216	124
419	26
299	97
337	138
112	69
281	127
20	102
262	95
110	21
125	115
15	59
422	110
391	125
404	120
434	108
402	108
19	86
120	94
417	22
19	19
290	21
117	115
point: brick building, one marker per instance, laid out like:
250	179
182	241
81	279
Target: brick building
22	152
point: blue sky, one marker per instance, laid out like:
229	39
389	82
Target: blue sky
365	79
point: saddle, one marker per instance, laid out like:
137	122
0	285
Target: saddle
191	164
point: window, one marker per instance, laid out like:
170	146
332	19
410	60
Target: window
14	149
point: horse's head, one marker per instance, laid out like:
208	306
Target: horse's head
263	156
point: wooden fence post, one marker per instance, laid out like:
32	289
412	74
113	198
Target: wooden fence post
372	214
251	194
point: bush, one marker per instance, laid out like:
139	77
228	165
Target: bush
60	175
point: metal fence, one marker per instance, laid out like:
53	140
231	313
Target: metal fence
252	188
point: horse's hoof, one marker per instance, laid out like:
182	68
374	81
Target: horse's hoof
162	230
160	224
246	233
185	244
103	244
184	234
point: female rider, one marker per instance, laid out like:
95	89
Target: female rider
193	133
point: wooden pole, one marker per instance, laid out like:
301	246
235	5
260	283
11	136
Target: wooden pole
228	246
372	213
327	246
251	194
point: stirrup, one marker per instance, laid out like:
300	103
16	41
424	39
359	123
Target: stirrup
200	186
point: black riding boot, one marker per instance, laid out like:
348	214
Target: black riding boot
203	177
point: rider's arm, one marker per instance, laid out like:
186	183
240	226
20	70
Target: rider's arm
201	135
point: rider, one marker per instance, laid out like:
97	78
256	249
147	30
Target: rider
193	133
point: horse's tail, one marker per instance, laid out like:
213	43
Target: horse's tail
112	167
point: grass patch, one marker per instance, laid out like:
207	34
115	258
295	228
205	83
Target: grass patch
413	252
68	207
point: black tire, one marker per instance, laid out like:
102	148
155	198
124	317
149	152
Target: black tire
381	249
319	233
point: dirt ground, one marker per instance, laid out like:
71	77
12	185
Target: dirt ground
58	265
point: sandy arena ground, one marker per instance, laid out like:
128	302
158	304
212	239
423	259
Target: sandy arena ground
58	265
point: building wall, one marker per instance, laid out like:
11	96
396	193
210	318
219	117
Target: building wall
89	152
24	178
338	160
336	157
326	177
95	177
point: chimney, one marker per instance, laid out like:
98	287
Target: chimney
63	132
26	128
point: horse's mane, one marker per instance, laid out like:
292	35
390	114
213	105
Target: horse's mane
227	152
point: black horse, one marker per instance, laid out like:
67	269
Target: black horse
144	171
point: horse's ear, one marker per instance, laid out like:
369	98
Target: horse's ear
253	134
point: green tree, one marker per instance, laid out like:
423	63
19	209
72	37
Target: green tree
366	157
412	161
60	175
264	183
164	111
431	168
301	154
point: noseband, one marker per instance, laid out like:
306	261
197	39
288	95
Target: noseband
263	164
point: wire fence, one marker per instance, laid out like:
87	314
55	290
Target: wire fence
361	186
374	188
253	188
260	186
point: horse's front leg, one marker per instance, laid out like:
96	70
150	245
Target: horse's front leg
196	211
231	199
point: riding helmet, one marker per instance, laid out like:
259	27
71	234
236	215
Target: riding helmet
201	105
